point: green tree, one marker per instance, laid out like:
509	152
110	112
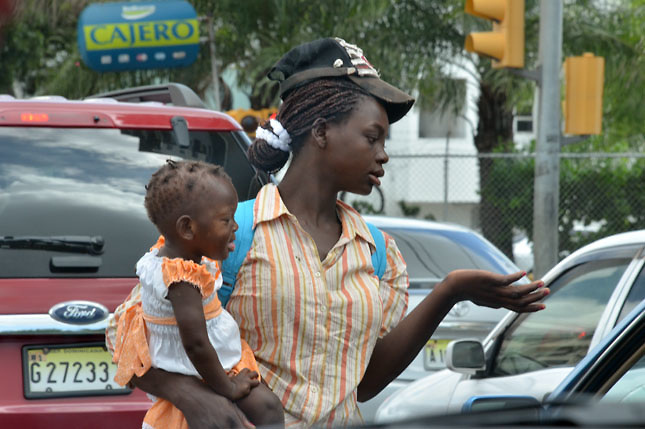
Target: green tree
614	31
434	37
41	56
410	40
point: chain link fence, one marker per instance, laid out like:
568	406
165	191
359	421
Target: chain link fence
600	194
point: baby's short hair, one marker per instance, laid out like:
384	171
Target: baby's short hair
174	186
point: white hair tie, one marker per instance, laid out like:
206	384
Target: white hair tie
278	138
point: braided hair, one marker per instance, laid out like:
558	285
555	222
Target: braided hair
332	99
174	187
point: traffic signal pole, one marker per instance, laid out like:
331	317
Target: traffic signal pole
585	75
547	162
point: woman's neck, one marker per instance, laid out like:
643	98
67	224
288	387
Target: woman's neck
309	197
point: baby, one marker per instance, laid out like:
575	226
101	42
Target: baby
188	331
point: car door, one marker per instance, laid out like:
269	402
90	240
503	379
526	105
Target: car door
615	371
537	350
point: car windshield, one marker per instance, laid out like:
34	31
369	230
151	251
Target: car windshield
431	255
61	187
561	335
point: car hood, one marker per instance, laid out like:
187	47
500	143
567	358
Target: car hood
447	391
428	395
561	414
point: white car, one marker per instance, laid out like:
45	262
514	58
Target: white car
530	354
431	250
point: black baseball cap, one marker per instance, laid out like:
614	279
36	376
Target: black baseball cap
333	57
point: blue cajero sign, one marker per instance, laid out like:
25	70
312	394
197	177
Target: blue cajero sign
144	35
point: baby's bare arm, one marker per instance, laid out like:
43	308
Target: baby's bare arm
187	305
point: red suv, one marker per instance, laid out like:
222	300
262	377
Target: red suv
73	225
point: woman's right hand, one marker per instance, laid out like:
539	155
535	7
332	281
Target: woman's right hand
496	290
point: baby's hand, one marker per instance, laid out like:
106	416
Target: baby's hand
242	383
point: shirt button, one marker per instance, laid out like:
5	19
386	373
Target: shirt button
323	308
314	389
317	274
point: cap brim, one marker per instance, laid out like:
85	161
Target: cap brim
397	103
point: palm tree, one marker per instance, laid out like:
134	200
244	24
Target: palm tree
410	41
432	34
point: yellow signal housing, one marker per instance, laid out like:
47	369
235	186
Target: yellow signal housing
584	81
505	44
249	119
236	114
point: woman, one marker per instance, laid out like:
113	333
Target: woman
326	332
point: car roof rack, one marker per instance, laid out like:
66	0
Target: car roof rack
176	94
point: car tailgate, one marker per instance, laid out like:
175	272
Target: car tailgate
38	295
25	324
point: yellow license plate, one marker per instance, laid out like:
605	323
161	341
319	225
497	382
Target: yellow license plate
434	353
69	370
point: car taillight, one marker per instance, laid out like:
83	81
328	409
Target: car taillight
34	117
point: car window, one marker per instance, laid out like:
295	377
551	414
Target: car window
635	296
560	335
91	183
430	257
630	387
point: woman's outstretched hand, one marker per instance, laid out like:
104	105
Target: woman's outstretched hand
497	290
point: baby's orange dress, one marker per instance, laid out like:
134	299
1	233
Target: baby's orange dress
148	335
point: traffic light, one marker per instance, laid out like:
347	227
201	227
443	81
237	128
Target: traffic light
584	80
505	44
249	119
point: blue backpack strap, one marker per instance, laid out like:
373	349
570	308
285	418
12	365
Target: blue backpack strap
379	259
243	241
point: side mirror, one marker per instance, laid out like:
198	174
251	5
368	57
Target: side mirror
180	135
465	356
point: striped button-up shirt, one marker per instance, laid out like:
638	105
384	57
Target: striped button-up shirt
313	324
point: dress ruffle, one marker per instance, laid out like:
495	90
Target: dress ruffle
181	270
131	351
159	244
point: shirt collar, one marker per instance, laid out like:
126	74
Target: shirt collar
269	206
353	223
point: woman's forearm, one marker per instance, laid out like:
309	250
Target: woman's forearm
394	352
167	385
201	406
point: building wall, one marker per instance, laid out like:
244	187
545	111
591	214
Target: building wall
433	159
446	188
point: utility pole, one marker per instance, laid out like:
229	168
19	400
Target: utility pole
446	178
214	73
547	162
